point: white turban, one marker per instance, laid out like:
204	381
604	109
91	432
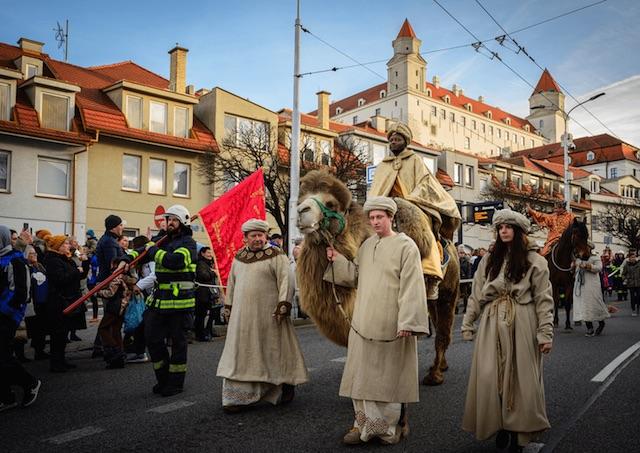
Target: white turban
380	204
255	225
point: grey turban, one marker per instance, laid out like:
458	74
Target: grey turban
255	225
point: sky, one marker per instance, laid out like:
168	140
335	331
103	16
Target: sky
247	47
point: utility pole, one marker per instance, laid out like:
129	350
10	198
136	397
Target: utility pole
566	143
294	153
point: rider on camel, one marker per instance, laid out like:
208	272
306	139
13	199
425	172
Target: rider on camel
556	222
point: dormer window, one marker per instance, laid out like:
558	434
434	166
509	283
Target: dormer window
488	114
590	156
383	94
469	107
429	92
31	70
5	101
338	110
181	122
447	99
158	117
134	111
507	121
594	186
527	128
361	102
55	111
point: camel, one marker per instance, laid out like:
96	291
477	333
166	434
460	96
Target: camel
326	215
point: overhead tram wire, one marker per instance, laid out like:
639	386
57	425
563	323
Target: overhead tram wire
524	51
445	49
494	55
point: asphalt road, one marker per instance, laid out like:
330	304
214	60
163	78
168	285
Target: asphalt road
93	409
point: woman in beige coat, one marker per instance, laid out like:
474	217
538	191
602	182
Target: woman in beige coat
512	296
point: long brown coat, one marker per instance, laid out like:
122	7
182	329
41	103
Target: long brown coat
506	389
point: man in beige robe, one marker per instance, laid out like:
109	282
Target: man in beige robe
261	360
381	376
403	174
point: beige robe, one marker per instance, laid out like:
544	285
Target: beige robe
506	389
391	297
258	349
588	304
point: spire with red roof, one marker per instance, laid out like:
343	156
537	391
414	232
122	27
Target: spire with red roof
546	83
406	31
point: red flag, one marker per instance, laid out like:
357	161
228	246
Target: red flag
223	218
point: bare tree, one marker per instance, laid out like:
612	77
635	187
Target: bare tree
253	146
518	198
622	221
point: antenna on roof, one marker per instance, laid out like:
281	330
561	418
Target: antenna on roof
62	36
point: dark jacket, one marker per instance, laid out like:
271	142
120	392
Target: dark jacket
107	250
204	274
64	288
631	274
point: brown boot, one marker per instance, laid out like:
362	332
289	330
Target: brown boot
352	437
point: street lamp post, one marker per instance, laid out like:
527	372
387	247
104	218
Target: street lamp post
566	142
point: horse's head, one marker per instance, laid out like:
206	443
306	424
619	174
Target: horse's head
580	237
324	202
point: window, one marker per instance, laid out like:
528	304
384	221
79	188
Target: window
134	112
246	133
355	119
181	179
379	152
158	117
515	138
5	171
594	186
325	149
452	116
506	135
230	179
32	70
131	172
516	178
55	112
613	172
532	143
338	110
180	122
157	176
5	103
541	124
434	111
591	155
53	177
483	127
467	143
490	130
463	121
443	114
546	186
377	112
447	99
430	163
383	93
360	102
575	194
468	175
457	174
534	182
483	184
499	133
522	141
489	114
309	153
429	92
501	175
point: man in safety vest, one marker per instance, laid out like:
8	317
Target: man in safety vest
171	306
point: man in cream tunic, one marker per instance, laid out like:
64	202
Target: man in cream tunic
261	360
381	376
403	174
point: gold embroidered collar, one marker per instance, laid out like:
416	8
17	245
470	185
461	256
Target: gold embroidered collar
245	255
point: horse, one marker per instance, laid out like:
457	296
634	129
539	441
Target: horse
574	239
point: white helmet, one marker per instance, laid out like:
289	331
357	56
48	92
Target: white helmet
180	212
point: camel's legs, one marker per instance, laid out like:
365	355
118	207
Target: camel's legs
442	314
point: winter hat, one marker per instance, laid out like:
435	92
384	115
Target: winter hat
380	204
41	234
111	222
91	234
511	218
255	225
54	242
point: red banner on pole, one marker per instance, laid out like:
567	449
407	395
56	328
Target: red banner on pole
223	218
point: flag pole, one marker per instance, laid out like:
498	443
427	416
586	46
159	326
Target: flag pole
294	154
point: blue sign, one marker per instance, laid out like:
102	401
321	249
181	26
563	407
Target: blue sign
371	170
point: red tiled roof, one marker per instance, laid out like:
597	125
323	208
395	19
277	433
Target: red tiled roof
96	110
437	93
524	162
546	83
604	147
406	31
558	169
444	178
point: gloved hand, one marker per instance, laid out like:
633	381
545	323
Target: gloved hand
283	310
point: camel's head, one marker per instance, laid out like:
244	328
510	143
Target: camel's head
324	201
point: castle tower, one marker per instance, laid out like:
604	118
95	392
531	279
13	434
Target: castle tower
407	69
546	108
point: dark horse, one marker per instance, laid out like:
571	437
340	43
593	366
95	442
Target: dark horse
573	241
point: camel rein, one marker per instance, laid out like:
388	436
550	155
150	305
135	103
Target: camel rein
329	240
553	260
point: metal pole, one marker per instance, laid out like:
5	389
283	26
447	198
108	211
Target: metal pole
294	157
66	41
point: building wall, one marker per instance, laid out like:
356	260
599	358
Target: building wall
22	204
105	194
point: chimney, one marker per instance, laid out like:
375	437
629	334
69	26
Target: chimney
178	69
202	92
456	90
379	123
30	45
481	99
323	109
436	81
191	90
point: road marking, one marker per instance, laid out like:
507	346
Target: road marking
340	359
180	404
74	435
615	363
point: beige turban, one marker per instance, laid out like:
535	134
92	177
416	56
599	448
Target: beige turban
402	129
380	204
511	218
255	225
